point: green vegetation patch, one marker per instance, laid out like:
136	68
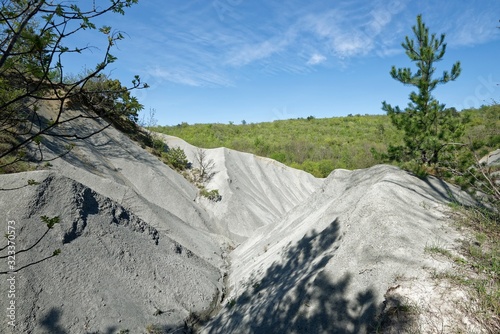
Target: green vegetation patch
317	145
321	145
480	272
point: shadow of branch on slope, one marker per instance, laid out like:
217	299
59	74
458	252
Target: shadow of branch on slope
51	321
102	144
296	295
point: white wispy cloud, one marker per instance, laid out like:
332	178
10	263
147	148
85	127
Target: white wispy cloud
316	59
474	28
188	76
465	23
248	53
334	31
190	48
351	31
187	45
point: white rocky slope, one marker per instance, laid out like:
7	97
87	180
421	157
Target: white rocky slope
325	267
256	191
115	270
140	247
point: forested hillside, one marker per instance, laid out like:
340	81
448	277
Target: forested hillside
320	145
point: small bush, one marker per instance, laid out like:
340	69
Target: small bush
212	195
230	304
176	158
108	98
158	145
279	156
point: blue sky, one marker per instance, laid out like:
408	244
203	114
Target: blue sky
215	61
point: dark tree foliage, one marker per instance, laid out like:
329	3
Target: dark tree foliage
176	158
429	128
108	98
34	37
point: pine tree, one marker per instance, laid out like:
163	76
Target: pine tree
429	128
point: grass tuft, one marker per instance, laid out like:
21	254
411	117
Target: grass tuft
481	270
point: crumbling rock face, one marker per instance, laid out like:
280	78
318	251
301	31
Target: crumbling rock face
115	271
282	252
326	265
255	191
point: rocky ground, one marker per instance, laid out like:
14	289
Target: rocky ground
281	252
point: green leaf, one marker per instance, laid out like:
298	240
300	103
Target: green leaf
50	221
32	182
110	58
105	30
59	11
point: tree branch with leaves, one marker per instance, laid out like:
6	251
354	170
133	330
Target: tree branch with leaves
12	254
33	52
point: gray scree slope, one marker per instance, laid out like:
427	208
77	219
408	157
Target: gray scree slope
140	247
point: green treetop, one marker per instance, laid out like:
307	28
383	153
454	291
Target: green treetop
428	127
